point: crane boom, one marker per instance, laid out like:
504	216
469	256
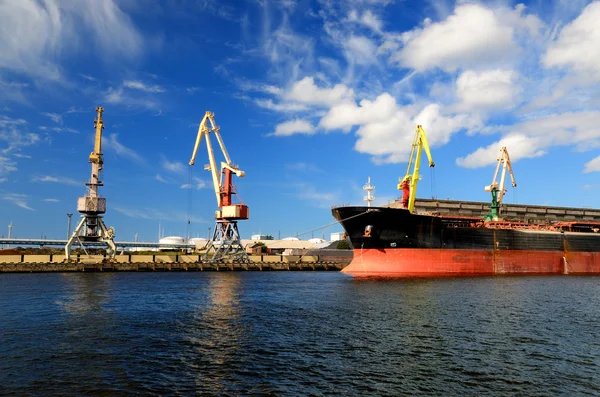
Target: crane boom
222	179
498	190
409	183
96	155
225	243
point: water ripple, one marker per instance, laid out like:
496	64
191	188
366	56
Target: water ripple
297	334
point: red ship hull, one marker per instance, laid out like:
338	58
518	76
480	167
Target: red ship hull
462	262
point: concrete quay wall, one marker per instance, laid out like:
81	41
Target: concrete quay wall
55	263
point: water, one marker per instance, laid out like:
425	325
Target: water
297	333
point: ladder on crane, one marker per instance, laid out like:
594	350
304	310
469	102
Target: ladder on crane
225	244
498	190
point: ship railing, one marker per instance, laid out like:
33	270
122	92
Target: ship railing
340	205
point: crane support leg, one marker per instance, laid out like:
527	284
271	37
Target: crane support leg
91	229
225	244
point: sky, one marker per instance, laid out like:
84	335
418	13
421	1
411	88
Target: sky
312	97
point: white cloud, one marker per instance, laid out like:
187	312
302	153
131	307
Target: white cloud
23	156
121	150
130	98
360	50
531	138
6	166
14	132
578	44
20	200
284	107
35	32
306	91
138	85
198	184
57	118
390	140
171	166
160	179
316	198
518	146
491	89
60	179
51	200
153	214
368	19
345	115
292	127
473	35
592	165
303	167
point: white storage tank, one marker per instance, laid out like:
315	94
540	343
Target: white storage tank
170	240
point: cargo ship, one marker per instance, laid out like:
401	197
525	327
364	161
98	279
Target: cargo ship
393	241
400	242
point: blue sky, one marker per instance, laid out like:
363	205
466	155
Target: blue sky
312	97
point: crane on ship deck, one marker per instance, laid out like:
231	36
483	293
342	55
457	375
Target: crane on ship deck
225	243
408	184
498	190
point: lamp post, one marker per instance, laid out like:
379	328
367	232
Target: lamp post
69	225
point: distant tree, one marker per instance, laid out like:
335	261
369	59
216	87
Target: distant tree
343	245
263	247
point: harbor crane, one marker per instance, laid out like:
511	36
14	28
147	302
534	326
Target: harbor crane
91	228
408	184
498	190
225	243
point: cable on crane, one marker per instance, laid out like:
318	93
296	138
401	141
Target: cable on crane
190	199
433	184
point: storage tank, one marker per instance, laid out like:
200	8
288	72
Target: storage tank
170	240
198	242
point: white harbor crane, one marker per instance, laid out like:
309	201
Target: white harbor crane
225	243
369	198
498	190
91	228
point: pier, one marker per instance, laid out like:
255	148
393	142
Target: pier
27	263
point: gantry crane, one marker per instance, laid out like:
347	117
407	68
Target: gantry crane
408	184
91	228
498	190
225	243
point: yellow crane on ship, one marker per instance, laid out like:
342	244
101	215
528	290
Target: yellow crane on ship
408	184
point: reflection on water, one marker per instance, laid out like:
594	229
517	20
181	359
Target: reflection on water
216	334
297	333
87	293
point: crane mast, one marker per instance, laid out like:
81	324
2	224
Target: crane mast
91	229
408	184
498	190
225	243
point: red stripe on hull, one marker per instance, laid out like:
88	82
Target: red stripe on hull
457	262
